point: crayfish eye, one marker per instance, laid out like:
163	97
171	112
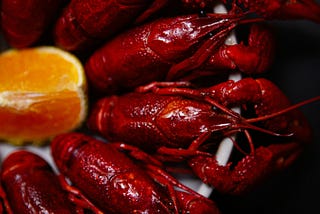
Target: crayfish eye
214	108
202	13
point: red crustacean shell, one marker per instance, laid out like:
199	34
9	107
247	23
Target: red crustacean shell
195	205
84	24
23	22
107	177
174	120
30	184
150	120
147	53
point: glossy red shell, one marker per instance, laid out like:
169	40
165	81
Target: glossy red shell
109	179
85	24
31	185
146	53
151	120
25	21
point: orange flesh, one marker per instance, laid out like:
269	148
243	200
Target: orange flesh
39	96
36	71
43	118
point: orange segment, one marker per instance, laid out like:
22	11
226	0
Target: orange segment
42	94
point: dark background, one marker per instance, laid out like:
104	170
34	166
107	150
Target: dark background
296	70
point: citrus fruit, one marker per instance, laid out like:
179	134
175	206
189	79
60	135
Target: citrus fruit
42	94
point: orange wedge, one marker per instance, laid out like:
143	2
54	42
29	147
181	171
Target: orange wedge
42	94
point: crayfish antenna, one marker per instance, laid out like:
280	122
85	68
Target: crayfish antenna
237	146
283	111
263	130
246	132
246	123
248	136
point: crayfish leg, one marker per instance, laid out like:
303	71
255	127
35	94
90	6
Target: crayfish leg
254	57
274	100
153	8
185	199
77	197
137	154
153	86
249	172
265	98
195	204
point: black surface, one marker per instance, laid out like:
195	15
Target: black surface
296	71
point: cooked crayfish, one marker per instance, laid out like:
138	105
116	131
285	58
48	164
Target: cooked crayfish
114	183
194	120
85	24
170	48
31	186
24	22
